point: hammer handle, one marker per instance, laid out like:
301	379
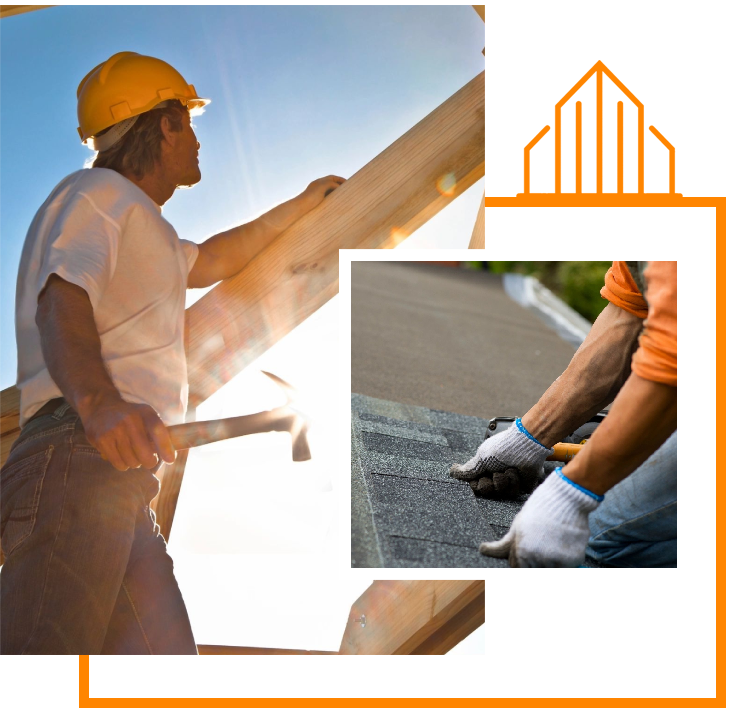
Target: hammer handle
564	452
187	435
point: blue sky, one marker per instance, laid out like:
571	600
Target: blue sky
297	92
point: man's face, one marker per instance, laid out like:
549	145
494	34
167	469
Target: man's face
184	156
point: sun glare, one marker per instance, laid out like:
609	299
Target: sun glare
258	491
246	506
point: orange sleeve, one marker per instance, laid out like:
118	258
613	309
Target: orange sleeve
655	359
621	290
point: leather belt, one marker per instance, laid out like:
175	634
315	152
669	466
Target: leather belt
48	409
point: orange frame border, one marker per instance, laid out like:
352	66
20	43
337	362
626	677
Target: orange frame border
535	200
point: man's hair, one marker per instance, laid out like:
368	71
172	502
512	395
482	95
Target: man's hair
138	150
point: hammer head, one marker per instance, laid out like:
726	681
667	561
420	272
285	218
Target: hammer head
289	390
298	427
300	446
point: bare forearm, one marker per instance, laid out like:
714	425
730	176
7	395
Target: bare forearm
234	248
591	381
71	346
643	417
126	434
227	253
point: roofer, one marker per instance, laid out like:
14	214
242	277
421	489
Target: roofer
613	501
101	370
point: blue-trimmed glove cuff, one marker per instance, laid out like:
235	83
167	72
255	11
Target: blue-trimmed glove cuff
597	497
525	432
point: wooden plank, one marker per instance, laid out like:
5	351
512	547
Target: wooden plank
477	239
480	9
383	203
413	617
235	650
9	419
171	479
9	10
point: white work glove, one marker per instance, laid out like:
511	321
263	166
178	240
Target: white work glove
514	449
552	529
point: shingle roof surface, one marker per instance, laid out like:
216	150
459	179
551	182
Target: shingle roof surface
407	511
427	343
420	516
449	339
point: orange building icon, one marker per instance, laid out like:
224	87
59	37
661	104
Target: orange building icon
598	71
616	195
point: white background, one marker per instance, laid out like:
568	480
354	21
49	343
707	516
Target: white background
549	633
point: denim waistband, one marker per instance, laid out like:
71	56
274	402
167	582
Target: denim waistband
41	422
53	407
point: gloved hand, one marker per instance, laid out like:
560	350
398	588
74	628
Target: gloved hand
552	529
515	454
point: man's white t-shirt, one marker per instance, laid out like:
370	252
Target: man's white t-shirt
101	232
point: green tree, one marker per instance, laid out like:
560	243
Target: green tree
578	284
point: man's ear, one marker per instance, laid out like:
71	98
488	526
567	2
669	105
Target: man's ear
166	128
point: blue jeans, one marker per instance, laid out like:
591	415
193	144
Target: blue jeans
635	525
86	569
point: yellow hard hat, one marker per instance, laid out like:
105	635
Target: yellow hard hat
126	85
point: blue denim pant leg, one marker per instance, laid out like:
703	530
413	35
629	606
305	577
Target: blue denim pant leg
635	526
77	534
149	616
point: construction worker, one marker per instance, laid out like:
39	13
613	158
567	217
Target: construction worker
613	501
102	371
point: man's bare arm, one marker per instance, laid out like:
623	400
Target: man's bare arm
593	378
126	434
227	253
642	418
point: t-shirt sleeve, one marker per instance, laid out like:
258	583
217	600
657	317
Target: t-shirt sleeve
621	290
82	248
655	359
191	251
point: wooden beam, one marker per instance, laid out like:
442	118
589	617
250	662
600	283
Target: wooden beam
413	617
235	650
8	10
9	420
383	203
480	9
171	479
477	239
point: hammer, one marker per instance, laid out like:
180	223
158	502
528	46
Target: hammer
282	419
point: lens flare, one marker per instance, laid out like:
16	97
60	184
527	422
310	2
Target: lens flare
447	185
396	236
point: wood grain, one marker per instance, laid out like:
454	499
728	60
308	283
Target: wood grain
10	10
378	207
413	617
389	198
477	239
236	650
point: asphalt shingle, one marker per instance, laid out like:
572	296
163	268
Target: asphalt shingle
407	511
420	516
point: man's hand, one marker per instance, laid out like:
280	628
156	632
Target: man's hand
226	254
551	530
128	435
316	192
514	449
